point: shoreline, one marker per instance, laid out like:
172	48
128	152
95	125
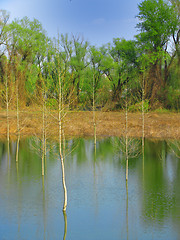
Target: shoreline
80	124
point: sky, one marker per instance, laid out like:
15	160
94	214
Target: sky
98	21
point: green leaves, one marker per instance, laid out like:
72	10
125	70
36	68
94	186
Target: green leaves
38	61
157	23
28	39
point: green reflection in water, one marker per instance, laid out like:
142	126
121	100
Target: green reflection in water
147	207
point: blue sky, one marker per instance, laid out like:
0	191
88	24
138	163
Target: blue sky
99	21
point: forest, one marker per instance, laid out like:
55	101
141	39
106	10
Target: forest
123	73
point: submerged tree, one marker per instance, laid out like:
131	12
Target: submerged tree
61	115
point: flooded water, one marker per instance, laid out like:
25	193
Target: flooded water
101	204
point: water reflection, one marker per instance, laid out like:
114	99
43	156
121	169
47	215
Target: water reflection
65	225
101	204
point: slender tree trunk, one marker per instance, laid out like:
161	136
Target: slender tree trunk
60	144
43	139
18	128
126	137
94	114
7	108
45	132
143	117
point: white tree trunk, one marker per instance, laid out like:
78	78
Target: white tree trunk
94	114
60	110
18	127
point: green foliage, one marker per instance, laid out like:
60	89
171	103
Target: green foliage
52	103
173	97
37	62
31	79
161	110
138	107
157	23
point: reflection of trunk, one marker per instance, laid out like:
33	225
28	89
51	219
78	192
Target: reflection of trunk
8	157
65	225
44	207
17	148
127	229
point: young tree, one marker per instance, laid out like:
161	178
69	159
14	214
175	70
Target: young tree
60	117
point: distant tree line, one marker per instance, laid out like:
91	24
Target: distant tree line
31	64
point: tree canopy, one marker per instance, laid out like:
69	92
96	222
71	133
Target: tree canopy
28	56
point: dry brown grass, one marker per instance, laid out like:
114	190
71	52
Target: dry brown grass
157	125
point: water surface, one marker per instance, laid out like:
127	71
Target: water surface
100	203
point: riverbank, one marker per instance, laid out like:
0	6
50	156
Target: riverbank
80	124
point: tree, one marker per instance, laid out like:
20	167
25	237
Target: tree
124	54
176	34
27	39
78	62
4	17
96	58
157	24
118	64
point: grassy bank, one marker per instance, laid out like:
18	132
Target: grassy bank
80	124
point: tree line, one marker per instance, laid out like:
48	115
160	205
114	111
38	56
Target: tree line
145	69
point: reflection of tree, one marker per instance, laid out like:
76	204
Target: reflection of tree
158	199
174	145
65	225
37	146
78	148
130	147
2	150
127	223
176	209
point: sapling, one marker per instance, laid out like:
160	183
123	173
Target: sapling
94	114
60	117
